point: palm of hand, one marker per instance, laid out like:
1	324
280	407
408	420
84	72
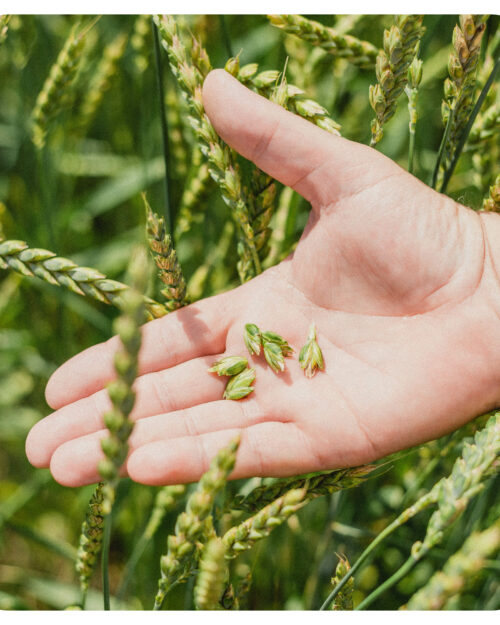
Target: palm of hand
398	282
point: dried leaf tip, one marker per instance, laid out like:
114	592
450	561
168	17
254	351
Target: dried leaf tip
230	365
310	356
240	385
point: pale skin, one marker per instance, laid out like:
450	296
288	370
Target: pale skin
400	281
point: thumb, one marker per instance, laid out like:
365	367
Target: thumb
320	166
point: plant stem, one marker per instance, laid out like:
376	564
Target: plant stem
441	148
225	36
389	583
105	561
411	152
467	129
164	127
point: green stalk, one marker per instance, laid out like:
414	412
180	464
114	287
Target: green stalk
441	149
164	127
411	152
470	122
425	501
389	583
105	561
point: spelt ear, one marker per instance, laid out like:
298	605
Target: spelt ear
318	165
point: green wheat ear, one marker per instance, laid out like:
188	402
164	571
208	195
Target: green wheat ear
354	50
59	271
212	576
243	536
90	541
459	88
165	257
56	91
459	571
393	62
121	394
190	70
194	526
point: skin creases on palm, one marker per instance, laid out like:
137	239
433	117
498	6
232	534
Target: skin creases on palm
400	284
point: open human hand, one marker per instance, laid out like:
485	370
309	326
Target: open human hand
399	280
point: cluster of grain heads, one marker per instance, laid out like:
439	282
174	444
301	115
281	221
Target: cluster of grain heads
101	81
316	485
56	92
460	86
243	536
165	257
400	48
43	264
275	349
190	71
121	394
311	356
90	540
194	526
212	576
356	51
294	99
452	494
458	571
140	42
343	601
274	346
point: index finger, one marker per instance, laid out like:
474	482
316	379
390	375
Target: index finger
196	330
